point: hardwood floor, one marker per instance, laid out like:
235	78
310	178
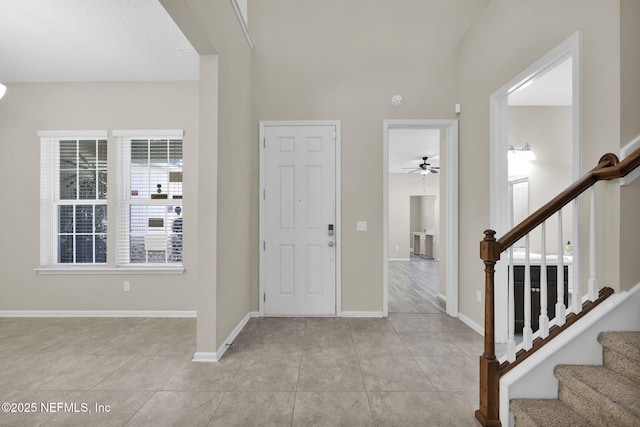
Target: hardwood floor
414	286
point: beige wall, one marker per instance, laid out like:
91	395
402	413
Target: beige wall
548	130
345	60
27	108
629	129
507	38
228	203
401	188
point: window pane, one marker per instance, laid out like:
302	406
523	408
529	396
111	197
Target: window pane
101	219
102	154
68	155
65	249
68	185
175	153
102	184
65	219
139	153
140	183
101	247
155	234
87	154
158	153
87	184
84	219
84	248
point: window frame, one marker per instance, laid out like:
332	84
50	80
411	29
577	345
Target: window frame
50	199
124	202
49	191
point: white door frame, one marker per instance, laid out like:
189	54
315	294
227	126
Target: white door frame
338	225
499	198
451	206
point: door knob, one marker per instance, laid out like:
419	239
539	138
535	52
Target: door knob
331	243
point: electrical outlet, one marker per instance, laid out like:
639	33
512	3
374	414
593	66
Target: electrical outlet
397	248
479	296
127	286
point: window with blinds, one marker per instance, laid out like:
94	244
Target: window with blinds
73	198
150	198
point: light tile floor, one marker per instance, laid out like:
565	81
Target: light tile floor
407	370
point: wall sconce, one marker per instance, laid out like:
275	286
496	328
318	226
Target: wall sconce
3	89
525	153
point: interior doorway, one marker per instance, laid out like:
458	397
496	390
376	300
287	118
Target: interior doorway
535	138
420	270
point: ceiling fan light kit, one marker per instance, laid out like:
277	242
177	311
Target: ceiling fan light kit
425	168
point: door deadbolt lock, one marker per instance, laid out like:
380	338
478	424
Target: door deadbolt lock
330	229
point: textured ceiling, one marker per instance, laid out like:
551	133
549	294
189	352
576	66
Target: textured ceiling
92	40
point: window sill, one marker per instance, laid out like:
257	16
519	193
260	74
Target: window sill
111	270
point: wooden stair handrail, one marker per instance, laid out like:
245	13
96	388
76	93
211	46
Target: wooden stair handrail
608	168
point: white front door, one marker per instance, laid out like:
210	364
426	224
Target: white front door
299	220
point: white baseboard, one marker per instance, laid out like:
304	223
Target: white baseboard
470	323
232	336
442	298
98	313
203	356
362	314
399	259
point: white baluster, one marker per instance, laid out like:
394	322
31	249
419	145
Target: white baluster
561	315
511	339
543	320
594	286
527	333
576	293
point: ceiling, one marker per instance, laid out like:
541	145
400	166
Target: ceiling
92	40
408	146
552	88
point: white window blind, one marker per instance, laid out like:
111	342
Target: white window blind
73	198
149	212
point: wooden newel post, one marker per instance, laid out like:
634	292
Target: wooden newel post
489	412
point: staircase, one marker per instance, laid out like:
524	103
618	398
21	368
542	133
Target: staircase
607	395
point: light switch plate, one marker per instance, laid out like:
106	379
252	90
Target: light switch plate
361	226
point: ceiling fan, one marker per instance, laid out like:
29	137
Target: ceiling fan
425	168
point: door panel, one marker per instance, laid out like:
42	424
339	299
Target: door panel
299	204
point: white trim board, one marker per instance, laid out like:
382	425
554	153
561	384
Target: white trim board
97	313
338	227
470	323
400	259
624	152
207	356
232	336
450	173
362	314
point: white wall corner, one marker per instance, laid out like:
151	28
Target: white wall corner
624	152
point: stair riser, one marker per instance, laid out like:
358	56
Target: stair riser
594	407
621	364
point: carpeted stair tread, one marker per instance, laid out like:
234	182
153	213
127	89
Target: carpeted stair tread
625	343
601	388
545	412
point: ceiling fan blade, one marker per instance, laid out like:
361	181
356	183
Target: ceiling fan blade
415	170
434	171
